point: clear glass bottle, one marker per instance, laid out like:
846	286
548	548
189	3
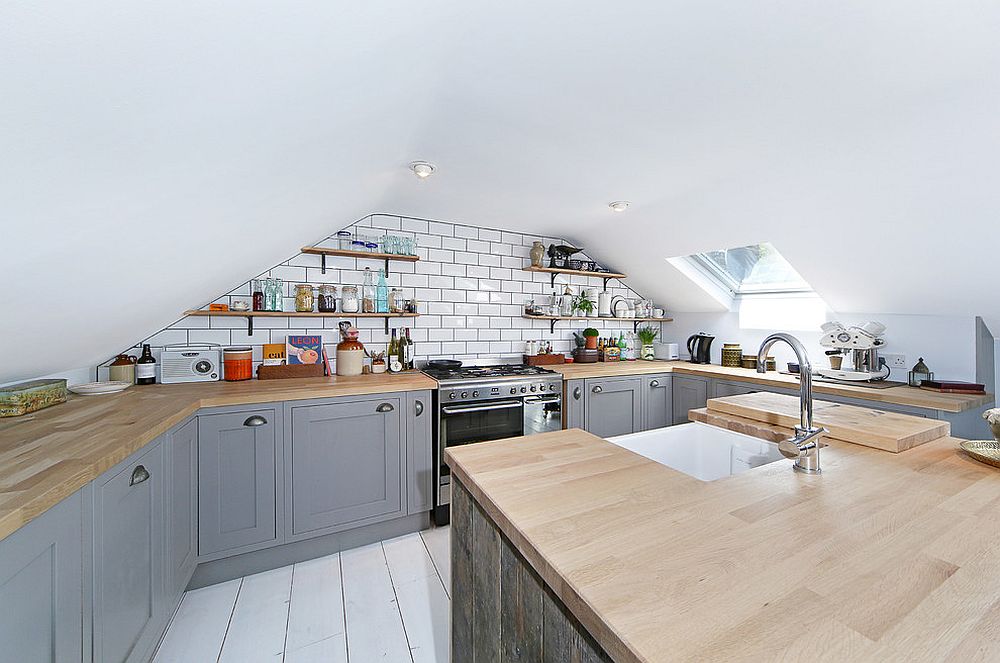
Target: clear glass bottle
368	293
381	294
279	295
257	292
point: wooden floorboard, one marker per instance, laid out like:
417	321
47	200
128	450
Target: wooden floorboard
385	602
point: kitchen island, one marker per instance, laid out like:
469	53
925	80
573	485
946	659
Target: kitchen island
572	543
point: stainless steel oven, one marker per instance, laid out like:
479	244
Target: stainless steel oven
478	411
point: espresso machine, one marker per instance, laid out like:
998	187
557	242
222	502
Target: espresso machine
860	347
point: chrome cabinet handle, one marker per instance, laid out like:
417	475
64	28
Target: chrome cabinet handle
597	389
139	474
418	408
385	407
654	383
461	409
255	420
577	393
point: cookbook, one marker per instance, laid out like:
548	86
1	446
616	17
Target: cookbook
304	349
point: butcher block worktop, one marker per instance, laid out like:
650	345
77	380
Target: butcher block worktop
902	395
882	557
52	453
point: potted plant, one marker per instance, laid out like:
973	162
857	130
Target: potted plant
378	362
590	337
647	334
583	306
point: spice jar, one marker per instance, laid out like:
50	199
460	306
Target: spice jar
350	354
396	302
349	299
326	302
122	369
303	298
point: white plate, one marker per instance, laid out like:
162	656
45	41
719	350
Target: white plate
98	388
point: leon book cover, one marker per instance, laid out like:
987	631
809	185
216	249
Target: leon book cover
304	349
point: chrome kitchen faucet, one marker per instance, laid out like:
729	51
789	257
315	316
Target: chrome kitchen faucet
804	446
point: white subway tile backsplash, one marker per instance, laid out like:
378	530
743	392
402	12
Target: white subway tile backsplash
469	282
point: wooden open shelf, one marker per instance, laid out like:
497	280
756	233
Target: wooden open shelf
368	255
553	271
553	318
250	315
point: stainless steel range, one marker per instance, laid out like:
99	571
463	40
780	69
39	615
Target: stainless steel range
480	403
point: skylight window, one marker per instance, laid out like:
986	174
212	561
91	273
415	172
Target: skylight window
748	270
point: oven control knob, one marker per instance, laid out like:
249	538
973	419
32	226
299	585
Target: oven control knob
465	394
523	390
552	387
513	390
533	387
452	395
475	394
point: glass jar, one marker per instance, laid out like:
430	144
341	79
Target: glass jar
396	302
344	239
303	298
349	299
326	301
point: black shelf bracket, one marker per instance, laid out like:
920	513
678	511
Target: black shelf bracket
322	263
387	319
606	279
249	325
552	326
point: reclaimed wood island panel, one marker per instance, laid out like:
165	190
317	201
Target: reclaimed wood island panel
882	557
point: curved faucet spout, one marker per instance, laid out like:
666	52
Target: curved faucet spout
806	439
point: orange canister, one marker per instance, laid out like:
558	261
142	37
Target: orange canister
237	363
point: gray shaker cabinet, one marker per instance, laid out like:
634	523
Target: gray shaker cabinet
657	401
613	406
128	558
237	480
419	453
181	504
41	587
573	404
689	393
721	389
346	463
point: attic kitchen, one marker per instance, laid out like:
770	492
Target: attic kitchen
534	346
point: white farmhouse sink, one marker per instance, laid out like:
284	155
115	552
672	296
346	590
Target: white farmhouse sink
700	450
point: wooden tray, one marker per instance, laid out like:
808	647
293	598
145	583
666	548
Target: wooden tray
293	371
544	360
985	451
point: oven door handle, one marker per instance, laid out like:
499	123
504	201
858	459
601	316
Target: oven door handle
537	400
456	409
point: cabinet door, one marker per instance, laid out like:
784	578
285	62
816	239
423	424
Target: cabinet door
41	587
657	401
128	558
613	406
573	404
181	503
419	453
721	389
237	483
688	394
345	463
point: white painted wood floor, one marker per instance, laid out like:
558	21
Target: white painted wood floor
387	601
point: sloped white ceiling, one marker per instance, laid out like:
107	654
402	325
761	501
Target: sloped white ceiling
154	154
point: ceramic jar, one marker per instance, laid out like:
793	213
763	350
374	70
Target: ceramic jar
732	355
122	369
537	253
350	355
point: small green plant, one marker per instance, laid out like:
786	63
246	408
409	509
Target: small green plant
647	334
590	331
583	303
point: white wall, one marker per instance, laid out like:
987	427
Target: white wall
947	343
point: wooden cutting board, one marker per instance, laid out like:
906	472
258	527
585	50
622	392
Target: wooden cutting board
879	429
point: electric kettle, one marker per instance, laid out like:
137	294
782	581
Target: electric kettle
700	348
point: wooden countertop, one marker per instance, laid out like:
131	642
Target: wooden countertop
52	453
882	557
896	395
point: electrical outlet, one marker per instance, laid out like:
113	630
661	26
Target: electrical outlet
895	360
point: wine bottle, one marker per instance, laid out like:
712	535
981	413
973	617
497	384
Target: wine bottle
410	351
392	354
145	368
401	352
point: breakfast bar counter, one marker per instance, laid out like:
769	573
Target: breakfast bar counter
882	557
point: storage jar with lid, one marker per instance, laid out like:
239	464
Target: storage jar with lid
237	363
303	298
349	299
326	301
396	302
732	355
350	354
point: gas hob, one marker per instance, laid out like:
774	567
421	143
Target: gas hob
477	383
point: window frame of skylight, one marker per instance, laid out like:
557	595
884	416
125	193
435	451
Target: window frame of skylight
712	270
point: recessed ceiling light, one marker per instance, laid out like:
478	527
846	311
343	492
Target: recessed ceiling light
619	205
422	169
